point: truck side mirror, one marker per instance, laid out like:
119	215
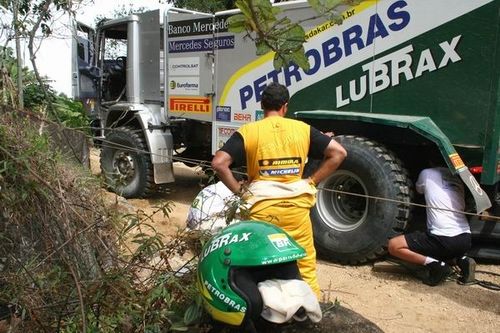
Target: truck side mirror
94	72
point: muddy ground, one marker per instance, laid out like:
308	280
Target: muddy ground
395	302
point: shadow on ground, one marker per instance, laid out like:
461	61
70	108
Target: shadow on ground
335	319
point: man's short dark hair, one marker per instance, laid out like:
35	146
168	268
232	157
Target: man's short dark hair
274	97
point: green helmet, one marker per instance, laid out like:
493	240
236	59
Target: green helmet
235	260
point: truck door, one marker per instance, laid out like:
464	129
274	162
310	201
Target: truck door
84	74
189	63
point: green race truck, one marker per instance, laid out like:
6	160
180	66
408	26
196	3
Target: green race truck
397	82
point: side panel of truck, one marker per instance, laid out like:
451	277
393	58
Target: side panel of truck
397	78
189	62
418	58
446	73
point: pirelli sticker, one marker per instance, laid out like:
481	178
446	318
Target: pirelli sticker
199	105
456	161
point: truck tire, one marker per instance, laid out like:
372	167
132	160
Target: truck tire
126	164
355	229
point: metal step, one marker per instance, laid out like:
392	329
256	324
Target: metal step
486	230
485	252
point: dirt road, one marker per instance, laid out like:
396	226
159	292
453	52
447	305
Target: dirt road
395	302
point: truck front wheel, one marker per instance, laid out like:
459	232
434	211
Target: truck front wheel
125	163
351	222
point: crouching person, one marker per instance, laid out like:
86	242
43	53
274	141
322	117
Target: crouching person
214	207
448	236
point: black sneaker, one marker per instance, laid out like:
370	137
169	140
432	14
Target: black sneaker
467	269
438	272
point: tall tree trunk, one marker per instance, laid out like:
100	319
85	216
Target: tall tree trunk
31	36
20	86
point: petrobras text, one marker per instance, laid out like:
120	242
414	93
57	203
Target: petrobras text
363	39
223	240
386	71
342	45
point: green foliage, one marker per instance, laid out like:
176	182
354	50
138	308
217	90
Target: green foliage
8	77
38	8
64	110
206	6
272	32
34	96
69	262
70	113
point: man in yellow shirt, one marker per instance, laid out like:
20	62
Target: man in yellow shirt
275	150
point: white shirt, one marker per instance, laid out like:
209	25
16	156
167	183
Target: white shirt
444	190
209	208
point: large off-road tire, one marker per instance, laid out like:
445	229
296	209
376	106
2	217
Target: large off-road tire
126	164
354	229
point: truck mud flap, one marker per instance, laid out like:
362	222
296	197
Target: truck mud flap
480	197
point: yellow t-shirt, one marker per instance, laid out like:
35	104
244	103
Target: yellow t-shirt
276	148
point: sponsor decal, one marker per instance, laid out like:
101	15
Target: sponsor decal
259	114
281	242
226	131
331	50
202	26
281	161
456	161
387	71
242	117
223	134
190	104
224	240
222	113
224	298
185	66
201	45
184	86
288	258
475	185
280	172
280	167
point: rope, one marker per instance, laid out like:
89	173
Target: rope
406	203
206	164
482	283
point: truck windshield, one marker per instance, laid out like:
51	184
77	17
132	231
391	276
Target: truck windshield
114	65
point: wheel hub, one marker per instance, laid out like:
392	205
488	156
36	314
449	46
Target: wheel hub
342	204
123	166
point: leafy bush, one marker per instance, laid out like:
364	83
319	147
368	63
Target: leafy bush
37	98
70	113
69	262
